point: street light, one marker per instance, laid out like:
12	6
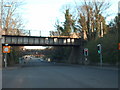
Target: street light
1	16
7	5
1	8
1	34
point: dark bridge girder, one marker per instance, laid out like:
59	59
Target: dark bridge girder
39	41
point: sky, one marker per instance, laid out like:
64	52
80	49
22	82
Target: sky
41	15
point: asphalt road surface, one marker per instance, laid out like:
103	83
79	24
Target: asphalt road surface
37	74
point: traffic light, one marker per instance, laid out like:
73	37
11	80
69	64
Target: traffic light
99	48
85	51
118	46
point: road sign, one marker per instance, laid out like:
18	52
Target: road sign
6	49
118	46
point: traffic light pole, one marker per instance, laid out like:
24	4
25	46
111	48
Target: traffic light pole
101	61
1	4
100	53
0	53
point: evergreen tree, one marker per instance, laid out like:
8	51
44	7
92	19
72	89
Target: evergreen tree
67	23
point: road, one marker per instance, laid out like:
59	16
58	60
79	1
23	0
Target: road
38	74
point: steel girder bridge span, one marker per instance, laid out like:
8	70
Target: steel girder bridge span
39	41
75	43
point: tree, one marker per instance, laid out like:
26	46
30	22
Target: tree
67	23
91	18
114	25
109	45
11	20
12	24
68	26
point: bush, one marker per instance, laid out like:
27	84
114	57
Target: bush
109	49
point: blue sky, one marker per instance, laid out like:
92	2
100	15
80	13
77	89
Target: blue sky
41	15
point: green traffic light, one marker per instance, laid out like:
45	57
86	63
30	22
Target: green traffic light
98	51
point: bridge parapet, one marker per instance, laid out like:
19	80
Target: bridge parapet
39	41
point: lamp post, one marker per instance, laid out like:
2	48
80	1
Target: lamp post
1	13
1	4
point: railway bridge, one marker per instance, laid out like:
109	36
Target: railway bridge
75	43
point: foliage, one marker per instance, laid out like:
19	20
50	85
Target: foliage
109	46
68	26
109	49
11	19
12	24
91	20
91	25
13	56
59	54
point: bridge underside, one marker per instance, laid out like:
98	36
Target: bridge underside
39	45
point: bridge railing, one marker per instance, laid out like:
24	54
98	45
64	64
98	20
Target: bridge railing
24	32
43	33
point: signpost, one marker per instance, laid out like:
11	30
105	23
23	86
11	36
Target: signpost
6	49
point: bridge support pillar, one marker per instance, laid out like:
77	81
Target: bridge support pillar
76	55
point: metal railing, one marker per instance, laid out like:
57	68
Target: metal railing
42	33
23	32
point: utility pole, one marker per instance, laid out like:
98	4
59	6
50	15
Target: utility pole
119	8
0	49
1	4
1	8
40	33
29	33
1	14
119	18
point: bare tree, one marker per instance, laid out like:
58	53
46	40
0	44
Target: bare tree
91	14
12	24
11	20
